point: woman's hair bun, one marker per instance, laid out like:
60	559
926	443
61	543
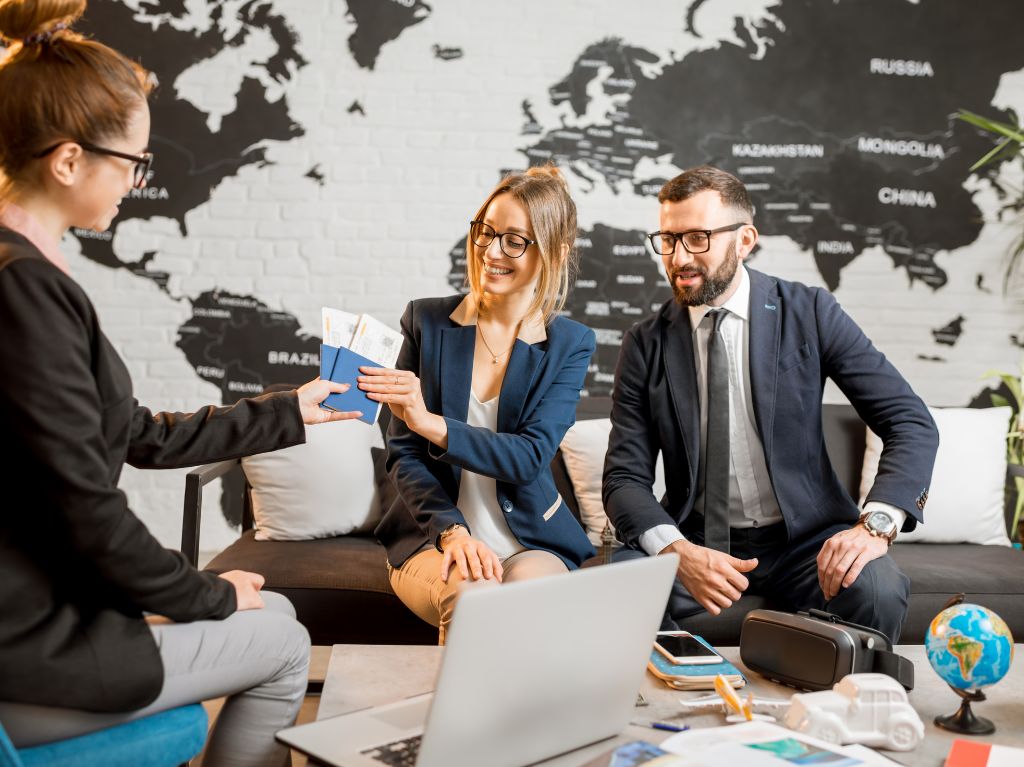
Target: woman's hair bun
550	170
25	20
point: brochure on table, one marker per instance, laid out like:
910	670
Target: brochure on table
761	744
350	342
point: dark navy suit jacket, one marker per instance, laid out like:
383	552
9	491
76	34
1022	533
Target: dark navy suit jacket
537	405
799	336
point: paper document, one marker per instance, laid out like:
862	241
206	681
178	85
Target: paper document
352	342
338	327
761	744
376	341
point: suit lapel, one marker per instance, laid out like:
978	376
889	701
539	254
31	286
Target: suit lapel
523	364
456	366
765	317
682	380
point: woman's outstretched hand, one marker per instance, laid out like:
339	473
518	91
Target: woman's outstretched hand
400	389
315	392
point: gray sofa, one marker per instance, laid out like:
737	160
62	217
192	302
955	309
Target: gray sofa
340	588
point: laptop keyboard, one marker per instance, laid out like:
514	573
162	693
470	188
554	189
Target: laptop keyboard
401	753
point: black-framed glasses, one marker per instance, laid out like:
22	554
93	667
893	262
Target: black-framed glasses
695	241
143	162
512	245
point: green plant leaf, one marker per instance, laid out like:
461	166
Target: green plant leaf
1012	132
1018	507
1012	383
996	150
998	400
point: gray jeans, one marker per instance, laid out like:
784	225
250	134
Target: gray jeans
258	658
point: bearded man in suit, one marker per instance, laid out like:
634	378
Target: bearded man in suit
726	383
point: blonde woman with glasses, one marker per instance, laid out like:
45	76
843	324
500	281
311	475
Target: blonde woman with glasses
485	388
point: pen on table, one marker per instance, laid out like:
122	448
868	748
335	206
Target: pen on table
668	726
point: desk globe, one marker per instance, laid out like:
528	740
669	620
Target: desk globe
970	647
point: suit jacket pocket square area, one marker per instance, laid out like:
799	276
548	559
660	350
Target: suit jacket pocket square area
342	366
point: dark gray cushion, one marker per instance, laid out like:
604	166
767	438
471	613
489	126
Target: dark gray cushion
350	562
946	568
992	576
338	586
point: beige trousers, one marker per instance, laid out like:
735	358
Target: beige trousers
418	582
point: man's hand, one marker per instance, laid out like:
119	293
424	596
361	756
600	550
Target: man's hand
473	557
713	578
844	555
247	588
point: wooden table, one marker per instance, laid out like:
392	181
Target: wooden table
368	675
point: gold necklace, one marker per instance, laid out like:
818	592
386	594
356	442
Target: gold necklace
496	357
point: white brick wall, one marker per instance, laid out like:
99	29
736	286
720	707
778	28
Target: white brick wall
402	180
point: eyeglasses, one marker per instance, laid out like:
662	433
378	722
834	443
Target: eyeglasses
512	245
143	162
694	241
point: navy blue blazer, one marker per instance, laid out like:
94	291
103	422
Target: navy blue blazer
799	336
536	406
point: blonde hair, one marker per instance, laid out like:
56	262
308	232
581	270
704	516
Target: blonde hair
56	85
545	195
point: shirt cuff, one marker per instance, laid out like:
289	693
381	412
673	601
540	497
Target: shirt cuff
657	538
898	514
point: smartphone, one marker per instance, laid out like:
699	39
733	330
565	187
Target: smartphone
681	648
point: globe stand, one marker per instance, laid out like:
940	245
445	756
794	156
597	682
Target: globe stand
964	721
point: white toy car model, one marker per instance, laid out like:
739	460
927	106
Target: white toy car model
861	708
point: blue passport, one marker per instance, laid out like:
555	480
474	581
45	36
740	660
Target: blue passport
342	366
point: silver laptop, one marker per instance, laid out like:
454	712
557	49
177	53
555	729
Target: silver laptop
531	670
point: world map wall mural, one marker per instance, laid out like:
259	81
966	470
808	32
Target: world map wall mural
316	153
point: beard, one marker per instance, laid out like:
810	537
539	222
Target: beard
711	286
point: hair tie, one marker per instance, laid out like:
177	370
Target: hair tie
44	37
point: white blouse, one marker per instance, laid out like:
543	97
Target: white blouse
478	495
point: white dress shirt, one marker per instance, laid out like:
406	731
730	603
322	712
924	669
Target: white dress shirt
752	500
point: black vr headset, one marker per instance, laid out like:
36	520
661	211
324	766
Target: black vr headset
814	650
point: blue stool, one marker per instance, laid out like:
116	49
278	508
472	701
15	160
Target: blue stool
167	739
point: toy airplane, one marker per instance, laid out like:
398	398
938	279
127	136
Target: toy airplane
727	701
732	699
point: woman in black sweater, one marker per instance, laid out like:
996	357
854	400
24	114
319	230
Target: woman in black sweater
78	570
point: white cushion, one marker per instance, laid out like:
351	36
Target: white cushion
965	500
583	450
317	490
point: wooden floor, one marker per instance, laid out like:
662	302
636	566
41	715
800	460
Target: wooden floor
319	658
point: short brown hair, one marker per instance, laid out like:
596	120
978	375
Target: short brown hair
545	195
56	85
707	178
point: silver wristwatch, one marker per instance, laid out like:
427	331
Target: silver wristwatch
880	524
